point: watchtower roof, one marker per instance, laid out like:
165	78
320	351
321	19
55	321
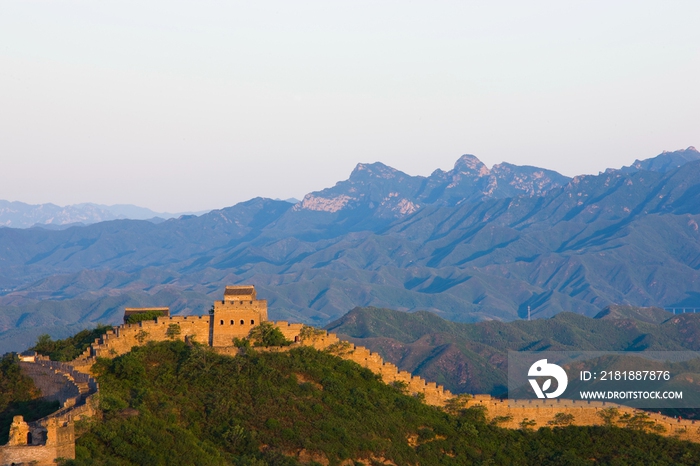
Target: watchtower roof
240	292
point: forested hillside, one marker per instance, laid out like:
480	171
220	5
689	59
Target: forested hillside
169	403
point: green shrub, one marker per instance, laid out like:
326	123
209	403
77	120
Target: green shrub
141	316
561	419
241	342
173	331
267	334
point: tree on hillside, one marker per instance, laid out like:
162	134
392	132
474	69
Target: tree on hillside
173	331
141	336
71	347
609	416
267	334
561	419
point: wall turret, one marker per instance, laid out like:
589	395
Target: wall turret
236	314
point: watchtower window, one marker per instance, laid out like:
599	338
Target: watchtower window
252	322
242	322
251	302
222	322
231	321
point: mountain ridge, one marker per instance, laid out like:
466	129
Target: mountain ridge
400	194
613	238
15	214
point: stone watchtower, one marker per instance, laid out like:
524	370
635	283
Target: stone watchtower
236	314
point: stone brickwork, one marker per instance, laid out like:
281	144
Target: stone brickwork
433	393
121	339
290	331
54	384
511	413
53	436
236	314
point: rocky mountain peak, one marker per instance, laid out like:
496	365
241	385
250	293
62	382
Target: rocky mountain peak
470	165
373	170
664	162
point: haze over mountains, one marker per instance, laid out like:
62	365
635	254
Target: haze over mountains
470	244
20	215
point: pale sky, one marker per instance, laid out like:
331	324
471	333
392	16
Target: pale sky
198	105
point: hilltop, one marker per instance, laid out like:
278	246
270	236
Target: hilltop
471	244
173	403
232	387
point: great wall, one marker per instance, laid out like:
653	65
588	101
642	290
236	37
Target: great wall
72	385
42	441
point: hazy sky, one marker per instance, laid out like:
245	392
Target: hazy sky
201	104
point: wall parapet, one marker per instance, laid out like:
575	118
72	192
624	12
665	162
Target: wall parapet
42	441
512	414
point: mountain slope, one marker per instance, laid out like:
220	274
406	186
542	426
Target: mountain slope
665	162
472	358
615	238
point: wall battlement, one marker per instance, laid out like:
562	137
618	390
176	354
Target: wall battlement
41	442
433	393
511	413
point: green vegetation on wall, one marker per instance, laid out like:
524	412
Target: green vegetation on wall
263	335
266	335
141	316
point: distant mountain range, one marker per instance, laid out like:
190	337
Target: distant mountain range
20	215
389	193
469	244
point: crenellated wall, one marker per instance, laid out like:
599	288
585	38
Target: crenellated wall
234	316
121	339
39	442
585	413
433	393
53	436
54	384
290	331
